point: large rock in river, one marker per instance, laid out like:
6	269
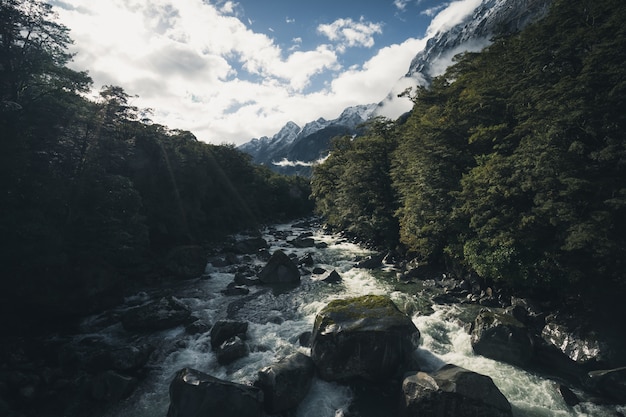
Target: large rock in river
286	383
501	337
584	349
223	330
367	337
452	391
196	394
610	383
280	269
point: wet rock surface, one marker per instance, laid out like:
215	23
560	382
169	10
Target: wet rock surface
227	329
332	277
452	391
230	350
584	349
280	269
610	383
500	336
194	393
286	383
158	315
365	337
107	361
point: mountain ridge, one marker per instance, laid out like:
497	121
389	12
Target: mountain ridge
289	154
293	149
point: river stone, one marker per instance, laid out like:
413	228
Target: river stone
128	358
452	391
112	387
235	290
333	277
280	269
286	383
501	337
371	262
158	315
225	329
582	350
610	383
231	350
367	337
196	394
198	327
568	395
248	246
302	241
247	278
306	260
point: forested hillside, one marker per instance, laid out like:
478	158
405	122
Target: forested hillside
93	192
512	164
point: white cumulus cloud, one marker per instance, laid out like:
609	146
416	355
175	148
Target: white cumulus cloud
201	67
452	15
349	33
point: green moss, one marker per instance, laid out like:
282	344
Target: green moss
365	301
365	312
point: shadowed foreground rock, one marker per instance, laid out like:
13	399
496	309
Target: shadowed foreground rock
286	383
158	315
365	337
223	330
501	337
196	394
452	391
227	340
610	383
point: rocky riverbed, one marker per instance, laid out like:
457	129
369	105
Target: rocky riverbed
265	317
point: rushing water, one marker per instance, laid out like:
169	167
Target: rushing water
277	319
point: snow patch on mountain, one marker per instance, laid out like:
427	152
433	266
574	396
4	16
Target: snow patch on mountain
295	147
472	32
463	26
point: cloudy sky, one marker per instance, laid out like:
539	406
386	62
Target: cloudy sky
230	71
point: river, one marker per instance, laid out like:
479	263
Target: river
277	319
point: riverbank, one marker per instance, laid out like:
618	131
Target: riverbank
105	366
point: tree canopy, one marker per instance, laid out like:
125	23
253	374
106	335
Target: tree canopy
512	163
93	193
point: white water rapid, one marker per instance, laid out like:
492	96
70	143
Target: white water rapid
276	320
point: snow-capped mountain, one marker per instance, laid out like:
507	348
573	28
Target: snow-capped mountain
472	34
293	150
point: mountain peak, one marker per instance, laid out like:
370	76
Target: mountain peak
300	147
472	34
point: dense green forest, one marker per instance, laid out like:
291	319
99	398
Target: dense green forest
93	192
511	165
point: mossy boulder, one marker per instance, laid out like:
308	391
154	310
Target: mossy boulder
364	337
